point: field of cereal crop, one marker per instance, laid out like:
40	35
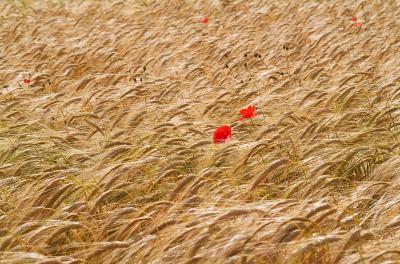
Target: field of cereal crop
108	111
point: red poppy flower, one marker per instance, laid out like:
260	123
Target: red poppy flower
222	134
26	81
204	20
358	24
354	19
248	112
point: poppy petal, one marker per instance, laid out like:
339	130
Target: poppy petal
222	134
204	20
248	112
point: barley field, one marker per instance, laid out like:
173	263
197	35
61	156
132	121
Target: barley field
107	115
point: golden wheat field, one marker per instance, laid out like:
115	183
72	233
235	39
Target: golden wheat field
107	115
